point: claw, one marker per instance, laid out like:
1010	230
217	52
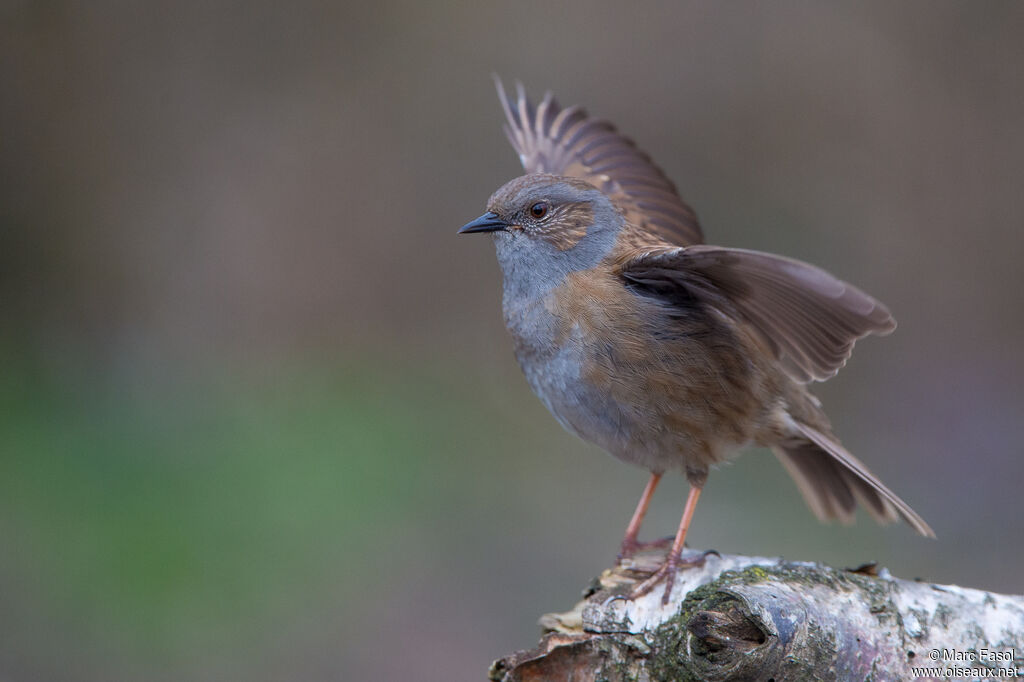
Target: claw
667	573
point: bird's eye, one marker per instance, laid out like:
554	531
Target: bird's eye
539	210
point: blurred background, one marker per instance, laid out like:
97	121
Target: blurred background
260	417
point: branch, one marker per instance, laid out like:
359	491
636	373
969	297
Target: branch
751	618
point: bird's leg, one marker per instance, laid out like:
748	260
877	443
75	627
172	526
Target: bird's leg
629	542
673	561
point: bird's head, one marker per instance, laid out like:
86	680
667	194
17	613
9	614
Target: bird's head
549	225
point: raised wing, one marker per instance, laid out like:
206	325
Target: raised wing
559	141
808	318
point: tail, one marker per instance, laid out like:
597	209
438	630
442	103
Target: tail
833	481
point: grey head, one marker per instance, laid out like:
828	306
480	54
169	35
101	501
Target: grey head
545	227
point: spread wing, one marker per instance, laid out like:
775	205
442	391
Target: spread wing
550	139
807	317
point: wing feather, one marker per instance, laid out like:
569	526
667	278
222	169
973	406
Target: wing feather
807	317
550	139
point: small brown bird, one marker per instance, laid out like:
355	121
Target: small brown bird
668	353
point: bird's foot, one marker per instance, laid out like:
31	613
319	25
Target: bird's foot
667	574
631	547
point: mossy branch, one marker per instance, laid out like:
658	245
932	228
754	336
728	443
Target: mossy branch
749	618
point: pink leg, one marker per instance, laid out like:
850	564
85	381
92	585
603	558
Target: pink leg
629	542
673	561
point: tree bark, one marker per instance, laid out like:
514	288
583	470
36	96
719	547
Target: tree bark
750	618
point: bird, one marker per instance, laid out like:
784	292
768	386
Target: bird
667	352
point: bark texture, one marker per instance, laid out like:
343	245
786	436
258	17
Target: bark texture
750	618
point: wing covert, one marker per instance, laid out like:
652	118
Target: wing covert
809	318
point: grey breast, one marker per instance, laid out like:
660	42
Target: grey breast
550	359
552	366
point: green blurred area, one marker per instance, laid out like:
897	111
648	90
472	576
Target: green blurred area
164	530
165	527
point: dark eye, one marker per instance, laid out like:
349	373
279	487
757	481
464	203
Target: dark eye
539	210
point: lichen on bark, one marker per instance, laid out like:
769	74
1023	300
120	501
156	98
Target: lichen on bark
749	618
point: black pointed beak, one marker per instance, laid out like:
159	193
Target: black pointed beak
488	222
